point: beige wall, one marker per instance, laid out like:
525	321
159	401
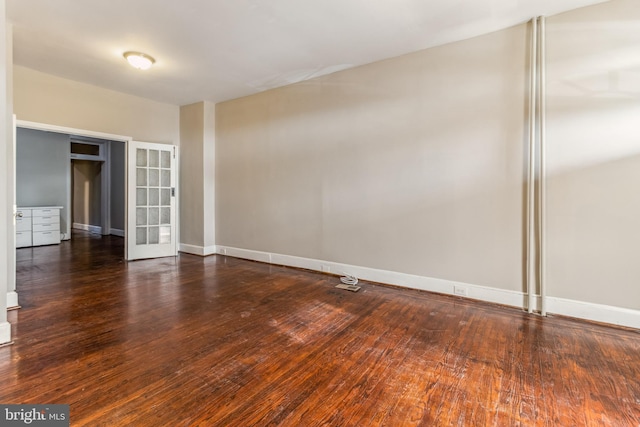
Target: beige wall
44	98
594	154
197	184
209	175
413	164
87	192
191	173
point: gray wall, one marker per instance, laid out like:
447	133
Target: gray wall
43	171
118	159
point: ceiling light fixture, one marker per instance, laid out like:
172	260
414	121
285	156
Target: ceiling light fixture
139	60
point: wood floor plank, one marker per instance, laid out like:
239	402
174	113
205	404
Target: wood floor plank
219	341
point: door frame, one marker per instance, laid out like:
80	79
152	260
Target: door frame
105	180
106	184
12	294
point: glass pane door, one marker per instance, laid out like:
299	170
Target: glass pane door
151	201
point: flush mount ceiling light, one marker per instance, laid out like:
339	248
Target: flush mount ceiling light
139	60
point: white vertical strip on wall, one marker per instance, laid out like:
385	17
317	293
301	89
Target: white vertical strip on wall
530	273
543	170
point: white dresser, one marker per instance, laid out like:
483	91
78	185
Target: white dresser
37	226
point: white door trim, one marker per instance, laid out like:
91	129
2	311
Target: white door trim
72	131
12	294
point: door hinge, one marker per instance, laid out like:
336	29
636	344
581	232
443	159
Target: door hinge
174	152
173	191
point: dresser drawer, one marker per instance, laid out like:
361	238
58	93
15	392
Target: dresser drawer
45	212
23	239
24	213
23	224
46	237
46	220
46	227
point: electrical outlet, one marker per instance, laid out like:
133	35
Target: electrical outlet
460	291
326	268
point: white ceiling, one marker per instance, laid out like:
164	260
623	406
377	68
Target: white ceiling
216	50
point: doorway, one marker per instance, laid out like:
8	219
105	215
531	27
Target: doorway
89	188
97	186
86	196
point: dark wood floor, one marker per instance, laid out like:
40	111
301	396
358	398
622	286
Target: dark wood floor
219	341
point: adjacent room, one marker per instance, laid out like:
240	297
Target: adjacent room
83	177
337	213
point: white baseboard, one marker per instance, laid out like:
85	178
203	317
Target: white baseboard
95	229
116	232
595	312
578	309
197	250
5	332
499	296
12	299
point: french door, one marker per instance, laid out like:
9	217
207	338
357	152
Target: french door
151	200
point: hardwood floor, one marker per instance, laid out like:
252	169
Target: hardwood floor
219	341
